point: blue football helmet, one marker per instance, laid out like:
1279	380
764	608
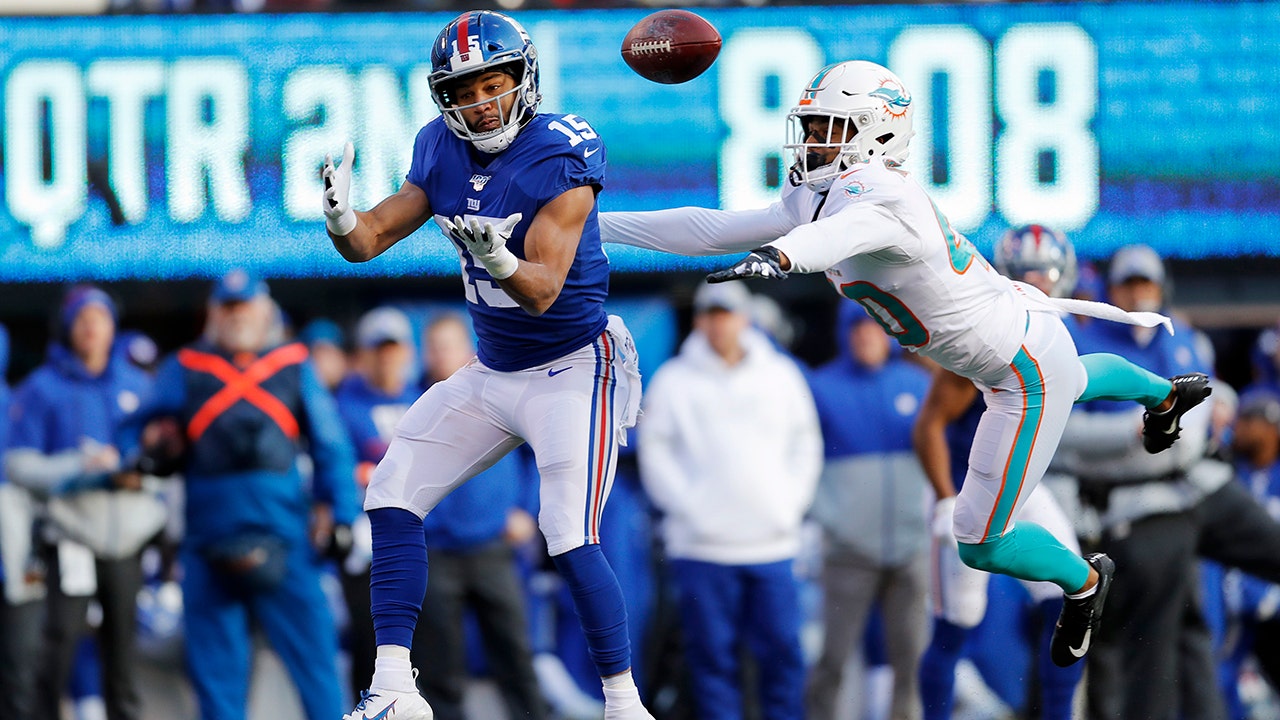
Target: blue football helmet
481	41
1038	249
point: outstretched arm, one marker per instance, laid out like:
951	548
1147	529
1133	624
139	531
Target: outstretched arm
696	231
821	244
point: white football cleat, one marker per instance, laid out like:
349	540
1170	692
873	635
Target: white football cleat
390	705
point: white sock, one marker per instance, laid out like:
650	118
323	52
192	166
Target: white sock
392	670
1083	593
620	691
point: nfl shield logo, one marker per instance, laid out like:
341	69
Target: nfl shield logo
478	181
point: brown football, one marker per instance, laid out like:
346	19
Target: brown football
671	46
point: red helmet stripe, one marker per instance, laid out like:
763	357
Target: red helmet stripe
463	44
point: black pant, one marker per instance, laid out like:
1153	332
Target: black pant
361	645
19	647
1153	631
483	580
118	585
1236	531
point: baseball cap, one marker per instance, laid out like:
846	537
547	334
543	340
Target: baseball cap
238	285
384	325
1263	404
1138	261
731	296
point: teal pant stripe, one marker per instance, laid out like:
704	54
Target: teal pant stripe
1015	470
1029	552
1111	377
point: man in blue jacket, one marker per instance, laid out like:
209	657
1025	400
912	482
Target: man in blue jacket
254	532
871	506
65	418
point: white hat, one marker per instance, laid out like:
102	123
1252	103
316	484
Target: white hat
384	325
732	296
1138	261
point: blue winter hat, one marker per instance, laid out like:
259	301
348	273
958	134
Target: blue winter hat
77	298
321	330
238	285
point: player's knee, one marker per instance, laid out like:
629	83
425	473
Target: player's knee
988	555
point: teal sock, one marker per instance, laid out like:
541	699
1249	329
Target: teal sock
1111	377
1028	552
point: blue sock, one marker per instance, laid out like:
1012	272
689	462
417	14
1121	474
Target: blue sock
398	575
938	669
597	598
1057	684
1111	377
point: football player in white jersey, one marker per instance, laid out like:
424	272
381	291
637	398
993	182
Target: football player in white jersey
850	211
943	437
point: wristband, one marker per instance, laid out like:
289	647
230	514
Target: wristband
501	263
343	224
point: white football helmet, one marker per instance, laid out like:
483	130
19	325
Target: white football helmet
1029	249
867	111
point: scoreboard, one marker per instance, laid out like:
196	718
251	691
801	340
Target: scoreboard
171	147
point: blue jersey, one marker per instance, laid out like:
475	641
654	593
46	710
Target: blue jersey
552	154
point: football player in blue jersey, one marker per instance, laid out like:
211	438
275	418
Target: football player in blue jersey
515	191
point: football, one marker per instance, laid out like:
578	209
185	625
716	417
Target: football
671	46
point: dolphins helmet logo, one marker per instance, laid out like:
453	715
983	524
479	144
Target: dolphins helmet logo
895	99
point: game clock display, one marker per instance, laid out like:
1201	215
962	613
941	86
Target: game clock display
180	146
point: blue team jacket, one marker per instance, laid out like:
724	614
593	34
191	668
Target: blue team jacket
60	404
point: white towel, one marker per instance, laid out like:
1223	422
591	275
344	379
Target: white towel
1038	301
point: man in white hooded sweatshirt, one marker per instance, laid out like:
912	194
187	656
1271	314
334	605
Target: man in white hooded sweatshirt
730	450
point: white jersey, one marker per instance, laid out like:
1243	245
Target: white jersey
883	243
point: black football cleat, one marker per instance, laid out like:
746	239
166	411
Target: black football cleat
1080	619
1159	430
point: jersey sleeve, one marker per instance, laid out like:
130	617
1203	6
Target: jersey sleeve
573	164
696	231
855	230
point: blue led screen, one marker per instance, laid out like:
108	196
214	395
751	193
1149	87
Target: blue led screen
169	147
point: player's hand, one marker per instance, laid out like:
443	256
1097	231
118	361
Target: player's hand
765	262
943	526
487	242
339	218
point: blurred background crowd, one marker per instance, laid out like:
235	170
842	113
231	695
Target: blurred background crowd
845	611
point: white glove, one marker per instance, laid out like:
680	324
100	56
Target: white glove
487	243
943	519
338	215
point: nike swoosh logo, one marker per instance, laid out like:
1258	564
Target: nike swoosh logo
590	152
1084	645
551	372
386	712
